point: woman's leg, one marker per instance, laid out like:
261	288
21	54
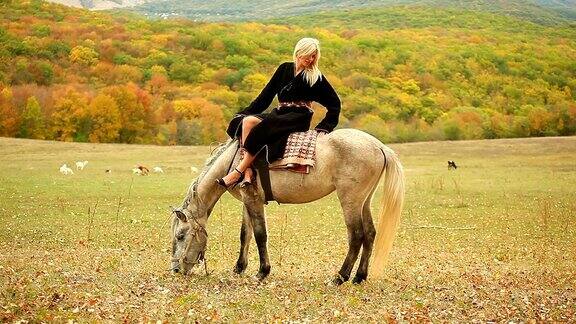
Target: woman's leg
247	124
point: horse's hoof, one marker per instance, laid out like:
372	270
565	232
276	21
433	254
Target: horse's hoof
239	270
338	280
358	279
261	276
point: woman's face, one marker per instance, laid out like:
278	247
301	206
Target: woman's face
306	61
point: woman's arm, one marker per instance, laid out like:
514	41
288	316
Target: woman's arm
267	95
327	97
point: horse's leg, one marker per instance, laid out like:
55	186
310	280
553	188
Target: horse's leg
245	237
369	235
258	220
353	218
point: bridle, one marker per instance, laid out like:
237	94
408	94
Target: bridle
199	229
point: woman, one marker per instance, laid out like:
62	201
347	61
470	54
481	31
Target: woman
297	84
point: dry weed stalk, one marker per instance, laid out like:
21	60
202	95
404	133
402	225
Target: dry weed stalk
116	220
91	219
283	241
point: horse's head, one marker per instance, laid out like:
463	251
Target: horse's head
189	238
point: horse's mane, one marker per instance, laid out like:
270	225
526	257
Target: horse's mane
216	152
192	190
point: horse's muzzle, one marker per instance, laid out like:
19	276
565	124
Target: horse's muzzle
175	266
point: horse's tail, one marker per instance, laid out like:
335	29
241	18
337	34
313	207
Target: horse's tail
389	216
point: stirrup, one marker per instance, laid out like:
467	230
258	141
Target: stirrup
222	183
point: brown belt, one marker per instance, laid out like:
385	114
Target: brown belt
286	104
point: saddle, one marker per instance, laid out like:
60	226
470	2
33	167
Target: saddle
299	156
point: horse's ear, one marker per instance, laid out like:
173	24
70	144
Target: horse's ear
180	214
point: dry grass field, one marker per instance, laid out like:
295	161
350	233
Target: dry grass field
494	240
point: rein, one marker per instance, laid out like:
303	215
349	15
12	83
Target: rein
233	156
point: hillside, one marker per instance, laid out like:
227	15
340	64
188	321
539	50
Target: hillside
403	73
101	4
540	11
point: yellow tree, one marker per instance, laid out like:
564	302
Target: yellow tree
69	108
104	119
212	121
83	55
136	115
207	114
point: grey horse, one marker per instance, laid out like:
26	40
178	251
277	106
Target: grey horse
347	160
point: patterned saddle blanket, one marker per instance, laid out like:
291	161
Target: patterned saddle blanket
299	154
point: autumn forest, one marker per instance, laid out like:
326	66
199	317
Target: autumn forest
403	73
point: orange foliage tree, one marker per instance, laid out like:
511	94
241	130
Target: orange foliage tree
9	117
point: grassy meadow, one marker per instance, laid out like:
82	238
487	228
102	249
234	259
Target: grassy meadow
494	240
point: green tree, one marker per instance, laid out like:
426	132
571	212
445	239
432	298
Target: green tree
32	125
187	72
238	62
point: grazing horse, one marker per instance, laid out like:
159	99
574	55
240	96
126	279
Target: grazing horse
348	161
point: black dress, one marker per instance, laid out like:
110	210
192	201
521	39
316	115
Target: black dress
273	131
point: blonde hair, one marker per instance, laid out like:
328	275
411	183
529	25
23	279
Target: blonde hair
304	47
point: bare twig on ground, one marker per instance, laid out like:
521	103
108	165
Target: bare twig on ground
442	227
130	188
117	215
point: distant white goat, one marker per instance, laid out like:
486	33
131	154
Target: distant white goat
64	169
193	169
137	171
81	164
158	169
